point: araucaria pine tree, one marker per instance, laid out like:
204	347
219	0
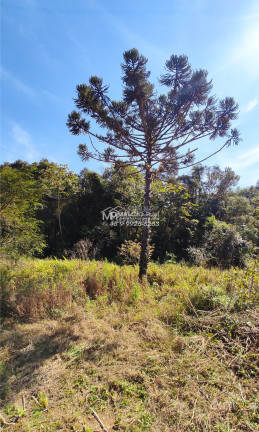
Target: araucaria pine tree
149	131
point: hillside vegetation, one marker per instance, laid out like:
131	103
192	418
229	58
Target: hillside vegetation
81	339
48	211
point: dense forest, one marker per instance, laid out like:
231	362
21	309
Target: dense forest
204	217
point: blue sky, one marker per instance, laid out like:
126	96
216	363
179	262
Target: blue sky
50	46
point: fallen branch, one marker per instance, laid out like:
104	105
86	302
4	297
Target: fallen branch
5	423
36	400
241	393
193	308
23	402
99	420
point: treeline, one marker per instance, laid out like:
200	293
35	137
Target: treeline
47	210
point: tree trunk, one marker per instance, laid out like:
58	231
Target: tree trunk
143	263
60	227
59	219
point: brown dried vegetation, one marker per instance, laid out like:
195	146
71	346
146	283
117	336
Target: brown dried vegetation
168	356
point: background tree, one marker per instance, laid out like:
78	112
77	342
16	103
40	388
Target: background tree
242	211
152	131
219	182
224	245
95	193
196	223
59	183
175	230
20	197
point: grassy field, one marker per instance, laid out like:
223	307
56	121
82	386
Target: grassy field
85	347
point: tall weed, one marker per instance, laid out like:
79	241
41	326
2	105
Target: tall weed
38	288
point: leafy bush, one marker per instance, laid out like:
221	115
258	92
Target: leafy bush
130	252
35	288
197	256
83	249
224	245
207	298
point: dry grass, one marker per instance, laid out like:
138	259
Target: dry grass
137	374
176	355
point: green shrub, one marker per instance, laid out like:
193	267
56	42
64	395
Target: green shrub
130	252
197	256
207	298
224	245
